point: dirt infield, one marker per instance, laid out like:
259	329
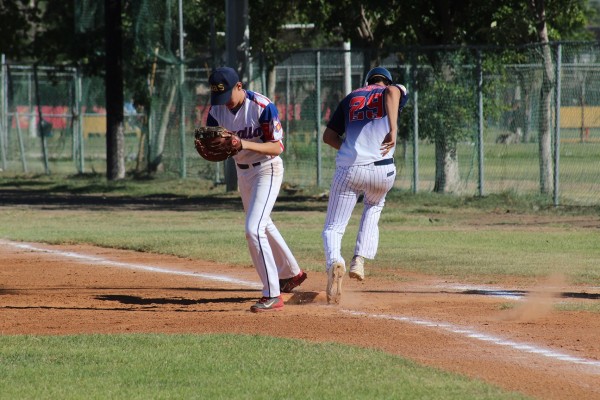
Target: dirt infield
531	347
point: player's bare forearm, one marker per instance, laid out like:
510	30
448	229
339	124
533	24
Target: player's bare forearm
268	148
332	138
392	103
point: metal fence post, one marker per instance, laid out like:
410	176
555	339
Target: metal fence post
182	144
347	68
40	124
78	123
415	98
480	121
3	108
287	105
318	116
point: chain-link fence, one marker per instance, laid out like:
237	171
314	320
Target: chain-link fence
54	121
477	121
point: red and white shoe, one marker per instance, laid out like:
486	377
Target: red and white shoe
268	304
287	285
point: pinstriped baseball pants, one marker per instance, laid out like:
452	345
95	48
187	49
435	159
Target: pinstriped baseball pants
374	181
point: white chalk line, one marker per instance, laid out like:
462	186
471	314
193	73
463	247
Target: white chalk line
139	267
527	348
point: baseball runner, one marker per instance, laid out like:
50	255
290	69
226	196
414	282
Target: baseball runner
364	165
254	118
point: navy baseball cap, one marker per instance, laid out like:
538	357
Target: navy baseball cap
222	81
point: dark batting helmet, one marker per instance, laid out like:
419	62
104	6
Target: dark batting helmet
379	71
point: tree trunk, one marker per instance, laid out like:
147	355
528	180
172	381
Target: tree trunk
372	48
545	111
545	141
158	146
447	177
115	139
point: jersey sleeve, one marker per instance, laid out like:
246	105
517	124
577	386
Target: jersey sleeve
271	128
337	122
210	120
404	98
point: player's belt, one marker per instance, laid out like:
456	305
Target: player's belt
246	166
385	161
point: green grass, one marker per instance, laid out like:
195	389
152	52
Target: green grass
408	241
578	306
511	167
562	306
426	233
217	367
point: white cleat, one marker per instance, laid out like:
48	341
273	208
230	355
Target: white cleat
335	274
357	268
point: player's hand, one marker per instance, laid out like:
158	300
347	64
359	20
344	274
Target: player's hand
388	144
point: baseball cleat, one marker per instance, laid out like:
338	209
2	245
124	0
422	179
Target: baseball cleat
357	268
268	304
335	274
286	285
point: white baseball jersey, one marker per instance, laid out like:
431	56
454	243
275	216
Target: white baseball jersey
259	179
256	120
360	169
362	116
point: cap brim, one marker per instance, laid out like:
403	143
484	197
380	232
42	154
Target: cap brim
219	99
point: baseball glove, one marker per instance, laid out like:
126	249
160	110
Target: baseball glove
215	143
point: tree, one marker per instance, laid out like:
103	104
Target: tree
115	161
30	30
383	26
447	84
269	37
373	26
513	22
16	20
545	110
446	101
538	21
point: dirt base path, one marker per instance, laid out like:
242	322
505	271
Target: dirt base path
529	347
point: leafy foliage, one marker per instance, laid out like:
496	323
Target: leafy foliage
16	18
445	110
47	32
270	32
514	22
371	25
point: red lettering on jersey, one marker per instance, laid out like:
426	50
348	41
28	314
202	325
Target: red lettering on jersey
361	108
356	104
375	106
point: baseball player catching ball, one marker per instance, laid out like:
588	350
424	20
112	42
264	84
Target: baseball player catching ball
254	118
368	117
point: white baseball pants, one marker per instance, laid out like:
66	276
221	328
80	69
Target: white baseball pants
375	181
259	187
